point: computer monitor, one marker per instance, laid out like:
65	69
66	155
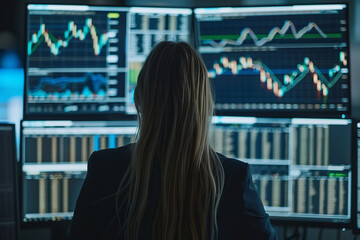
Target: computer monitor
54	157
8	184
357	202
289	61
301	167
84	60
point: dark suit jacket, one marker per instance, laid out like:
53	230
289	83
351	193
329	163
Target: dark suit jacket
241	214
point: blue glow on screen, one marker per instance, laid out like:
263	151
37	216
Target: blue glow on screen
11	86
10	59
11	83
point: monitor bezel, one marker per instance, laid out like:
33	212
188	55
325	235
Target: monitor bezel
355	186
303	221
21	174
63	223
15	173
284	113
110	116
319	221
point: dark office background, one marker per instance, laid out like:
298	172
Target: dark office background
12	23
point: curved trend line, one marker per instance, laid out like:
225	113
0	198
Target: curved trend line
99	40
62	82
276	30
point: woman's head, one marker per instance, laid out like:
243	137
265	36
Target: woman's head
173	86
174	102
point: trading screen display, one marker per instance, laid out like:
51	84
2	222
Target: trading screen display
8	208
301	167
54	163
85	60
293	58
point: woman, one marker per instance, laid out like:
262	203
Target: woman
170	184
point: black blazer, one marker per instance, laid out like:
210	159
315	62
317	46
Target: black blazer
241	214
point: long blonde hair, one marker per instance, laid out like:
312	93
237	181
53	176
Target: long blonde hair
174	102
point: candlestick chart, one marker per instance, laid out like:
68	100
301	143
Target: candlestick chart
67	41
261	78
270	81
54	44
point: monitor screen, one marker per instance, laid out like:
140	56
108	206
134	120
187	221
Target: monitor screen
300	167
8	199
84	60
279	60
54	157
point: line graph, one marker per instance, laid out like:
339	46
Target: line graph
291	79
288	25
76	60
54	43
276	60
85	86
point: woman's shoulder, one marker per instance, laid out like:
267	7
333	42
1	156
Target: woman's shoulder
115	153
112	160
241	214
233	166
106	169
